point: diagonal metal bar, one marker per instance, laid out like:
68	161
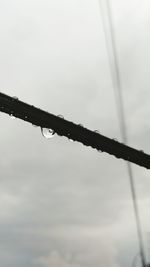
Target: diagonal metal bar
62	127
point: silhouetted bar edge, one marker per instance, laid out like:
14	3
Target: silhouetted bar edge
62	127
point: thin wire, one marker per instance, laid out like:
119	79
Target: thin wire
135	260
114	68
115	73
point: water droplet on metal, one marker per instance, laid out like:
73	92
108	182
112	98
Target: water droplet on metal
60	116
15	98
47	133
97	131
34	125
71	140
12	116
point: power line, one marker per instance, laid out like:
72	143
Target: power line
120	111
29	113
134	262
113	63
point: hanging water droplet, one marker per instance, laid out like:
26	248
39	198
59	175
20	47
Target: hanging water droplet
47	133
60	116
115	139
15	98
81	125
97	131
142	151
34	125
71	140
12	116
100	151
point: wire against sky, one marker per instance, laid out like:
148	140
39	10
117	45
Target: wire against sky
76	132
117	86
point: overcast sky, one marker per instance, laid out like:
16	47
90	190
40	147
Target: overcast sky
63	204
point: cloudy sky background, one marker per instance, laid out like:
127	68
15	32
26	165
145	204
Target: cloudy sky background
63	204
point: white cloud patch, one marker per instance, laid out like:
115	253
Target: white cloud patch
83	250
56	260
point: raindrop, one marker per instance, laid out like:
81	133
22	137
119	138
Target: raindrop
34	125
47	133
60	116
71	140
12	116
15	98
97	131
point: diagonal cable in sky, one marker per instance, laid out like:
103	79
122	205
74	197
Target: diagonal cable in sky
76	132
117	86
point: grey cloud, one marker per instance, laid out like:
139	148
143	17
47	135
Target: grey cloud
62	203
